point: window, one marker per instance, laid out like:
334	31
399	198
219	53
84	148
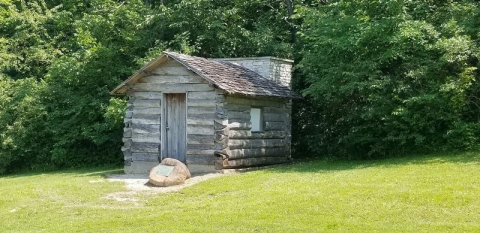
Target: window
256	117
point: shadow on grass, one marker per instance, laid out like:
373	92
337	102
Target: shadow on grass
339	165
96	171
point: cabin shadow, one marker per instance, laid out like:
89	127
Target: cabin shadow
320	166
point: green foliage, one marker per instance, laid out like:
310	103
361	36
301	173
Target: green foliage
60	59
22	135
390	77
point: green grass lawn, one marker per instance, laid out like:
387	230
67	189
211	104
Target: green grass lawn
428	193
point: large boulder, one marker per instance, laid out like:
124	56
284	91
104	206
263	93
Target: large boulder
169	172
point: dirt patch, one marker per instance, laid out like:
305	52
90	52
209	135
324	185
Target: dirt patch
138	184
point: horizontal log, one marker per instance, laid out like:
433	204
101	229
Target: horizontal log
203	95
145	157
247	134
145	129
201	159
280	117
200	139
196	121
201	103
147	119
148	95
255	143
256	153
239	125
277	110
146	110
249	162
152	137
171	88
165	70
200	110
191	146
237	107
164	79
270	126
204	116
147	103
255	101
239	115
200	152
145	147
200	129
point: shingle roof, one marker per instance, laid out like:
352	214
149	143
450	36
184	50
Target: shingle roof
232	78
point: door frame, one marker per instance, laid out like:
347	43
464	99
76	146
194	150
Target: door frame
163	137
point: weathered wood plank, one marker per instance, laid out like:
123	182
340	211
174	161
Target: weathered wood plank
239	125
255	143
200	152
247	134
149	95
172	70
200	110
175	119
201	159
279	117
204	95
237	107
255	101
151	137
145	157
239	115
201	103
145	147
200	129
146	119
145	129
144	110
278	110
254	162
200	121
190	79
172	63
200	139
147	103
200	146
274	126
256	153
171	88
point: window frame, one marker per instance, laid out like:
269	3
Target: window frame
261	120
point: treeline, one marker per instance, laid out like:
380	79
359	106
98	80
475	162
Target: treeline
379	78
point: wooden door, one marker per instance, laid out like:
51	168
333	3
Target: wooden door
174	126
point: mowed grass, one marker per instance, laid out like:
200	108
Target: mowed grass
422	193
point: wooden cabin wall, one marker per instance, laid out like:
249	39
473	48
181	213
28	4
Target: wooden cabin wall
142	137
244	148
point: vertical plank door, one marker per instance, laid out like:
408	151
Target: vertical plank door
175	126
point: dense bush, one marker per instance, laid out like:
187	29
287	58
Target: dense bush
60	59
390	77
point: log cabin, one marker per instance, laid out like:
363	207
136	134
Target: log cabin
211	114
